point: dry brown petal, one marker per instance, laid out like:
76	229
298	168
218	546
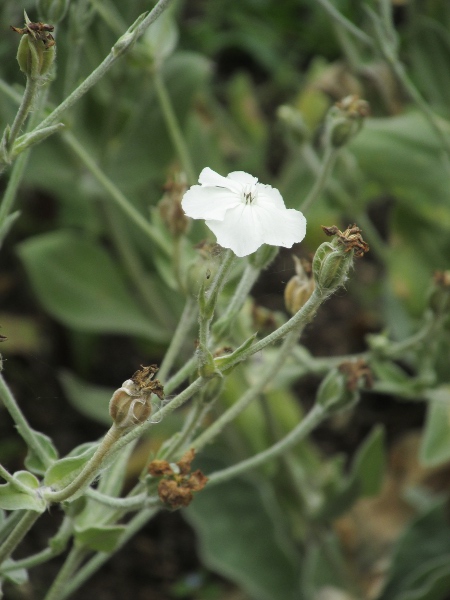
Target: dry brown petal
157	468
351	238
172	495
185	461
354	371
196	481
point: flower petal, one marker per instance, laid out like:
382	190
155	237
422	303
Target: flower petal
245	228
209	178
269	197
238	231
208	202
280	227
243	178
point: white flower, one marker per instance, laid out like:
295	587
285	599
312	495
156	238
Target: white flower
242	213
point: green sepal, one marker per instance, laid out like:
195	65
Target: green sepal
11	498
206	365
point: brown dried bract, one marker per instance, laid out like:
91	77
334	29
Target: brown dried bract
158	468
354	106
351	238
184	464
178	484
354	372
143	378
39	31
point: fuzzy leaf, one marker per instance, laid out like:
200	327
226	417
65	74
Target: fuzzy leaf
78	283
101	539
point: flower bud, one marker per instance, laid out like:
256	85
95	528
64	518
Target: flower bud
298	289
200	273
332	261
52	10
439	299
333	393
339	389
36	52
330	267
170	206
294	123
345	119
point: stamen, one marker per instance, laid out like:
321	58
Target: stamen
248	195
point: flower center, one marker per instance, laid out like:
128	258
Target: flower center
249	194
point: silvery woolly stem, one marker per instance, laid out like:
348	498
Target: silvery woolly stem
122	45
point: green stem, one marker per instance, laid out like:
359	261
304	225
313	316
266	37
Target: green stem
129	503
322	177
9	523
249	277
186	371
421	103
65	575
26	104
101	558
346	202
208	303
344	22
174	127
185	323
316	415
119	198
175	403
58	545
23	427
18	171
18	533
298	321
192	422
219	424
14	482
120	47
89	471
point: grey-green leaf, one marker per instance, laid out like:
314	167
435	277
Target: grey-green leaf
78	283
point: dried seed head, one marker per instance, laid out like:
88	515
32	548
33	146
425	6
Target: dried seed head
345	119
130	405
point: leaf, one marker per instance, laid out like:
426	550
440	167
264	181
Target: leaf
13	499
403	153
100	539
78	284
90	400
227	519
435	445
323	567
369	463
417	552
429	582
365	479
32	462
65	470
